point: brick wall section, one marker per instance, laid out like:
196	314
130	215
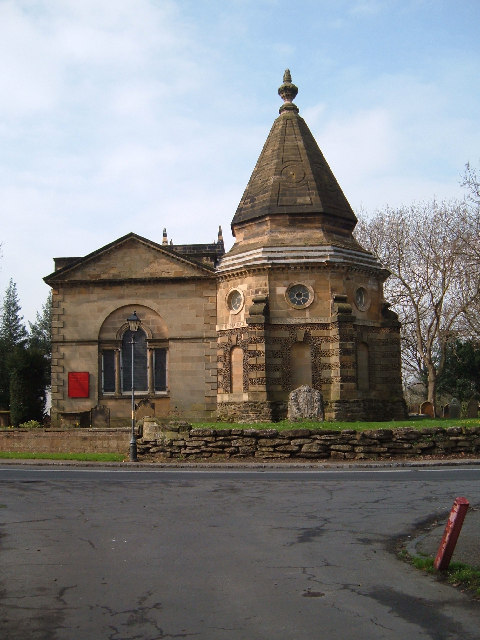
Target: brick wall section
298	444
66	440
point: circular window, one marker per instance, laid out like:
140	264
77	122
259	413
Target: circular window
235	300
299	295
361	299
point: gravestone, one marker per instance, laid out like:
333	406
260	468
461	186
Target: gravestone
305	403
472	407
100	416
455	408
145	409
426	408
151	430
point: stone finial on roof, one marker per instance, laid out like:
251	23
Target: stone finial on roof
220	237
287	91
165	239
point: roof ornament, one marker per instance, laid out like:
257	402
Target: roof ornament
164	239
287	92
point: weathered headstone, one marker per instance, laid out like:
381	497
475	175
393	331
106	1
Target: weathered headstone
100	416
305	403
145	409
426	409
472	408
151	430
455	408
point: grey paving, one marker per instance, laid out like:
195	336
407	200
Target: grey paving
255	554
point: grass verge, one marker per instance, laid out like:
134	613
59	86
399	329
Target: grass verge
83	457
340	426
458	574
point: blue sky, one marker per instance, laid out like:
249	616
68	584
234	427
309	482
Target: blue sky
135	115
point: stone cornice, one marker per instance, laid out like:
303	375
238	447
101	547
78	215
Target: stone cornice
299	257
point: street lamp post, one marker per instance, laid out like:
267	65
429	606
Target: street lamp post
133	324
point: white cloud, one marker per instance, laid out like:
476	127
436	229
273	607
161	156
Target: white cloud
138	115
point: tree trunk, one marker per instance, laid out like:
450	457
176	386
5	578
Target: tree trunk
432	386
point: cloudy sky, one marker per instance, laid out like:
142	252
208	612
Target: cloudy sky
134	115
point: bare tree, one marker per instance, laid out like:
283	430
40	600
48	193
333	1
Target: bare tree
432	253
471	181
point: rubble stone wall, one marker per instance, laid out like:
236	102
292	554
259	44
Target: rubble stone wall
312	444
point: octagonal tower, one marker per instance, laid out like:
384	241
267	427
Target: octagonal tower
299	301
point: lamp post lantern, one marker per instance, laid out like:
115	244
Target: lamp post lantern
133	324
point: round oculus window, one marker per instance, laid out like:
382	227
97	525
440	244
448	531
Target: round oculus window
299	295
235	300
361	299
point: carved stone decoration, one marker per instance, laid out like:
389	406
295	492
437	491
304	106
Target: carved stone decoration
305	403
258	312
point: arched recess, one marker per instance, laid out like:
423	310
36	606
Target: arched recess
150	352
300	365
363	375
236	370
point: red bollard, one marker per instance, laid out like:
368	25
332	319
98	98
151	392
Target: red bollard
451	533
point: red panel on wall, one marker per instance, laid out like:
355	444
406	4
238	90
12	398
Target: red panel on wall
78	384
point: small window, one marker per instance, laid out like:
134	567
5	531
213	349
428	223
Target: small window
160	368
108	371
362	300
235	300
299	295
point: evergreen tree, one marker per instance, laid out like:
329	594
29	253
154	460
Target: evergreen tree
28	381
12	329
13	334
41	329
461	375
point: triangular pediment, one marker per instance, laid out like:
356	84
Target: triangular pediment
130	258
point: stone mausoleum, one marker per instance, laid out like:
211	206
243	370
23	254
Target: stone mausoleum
296	301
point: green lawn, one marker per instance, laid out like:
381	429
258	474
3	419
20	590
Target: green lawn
340	426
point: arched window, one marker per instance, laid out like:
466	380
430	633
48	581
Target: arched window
236	370
363	378
150	366
301	365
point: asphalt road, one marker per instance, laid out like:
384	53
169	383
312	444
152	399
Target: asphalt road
257	555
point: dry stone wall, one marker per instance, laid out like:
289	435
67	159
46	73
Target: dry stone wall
182	442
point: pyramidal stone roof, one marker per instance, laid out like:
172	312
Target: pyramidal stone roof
291	175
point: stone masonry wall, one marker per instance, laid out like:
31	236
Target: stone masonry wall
310	444
66	440
266	444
